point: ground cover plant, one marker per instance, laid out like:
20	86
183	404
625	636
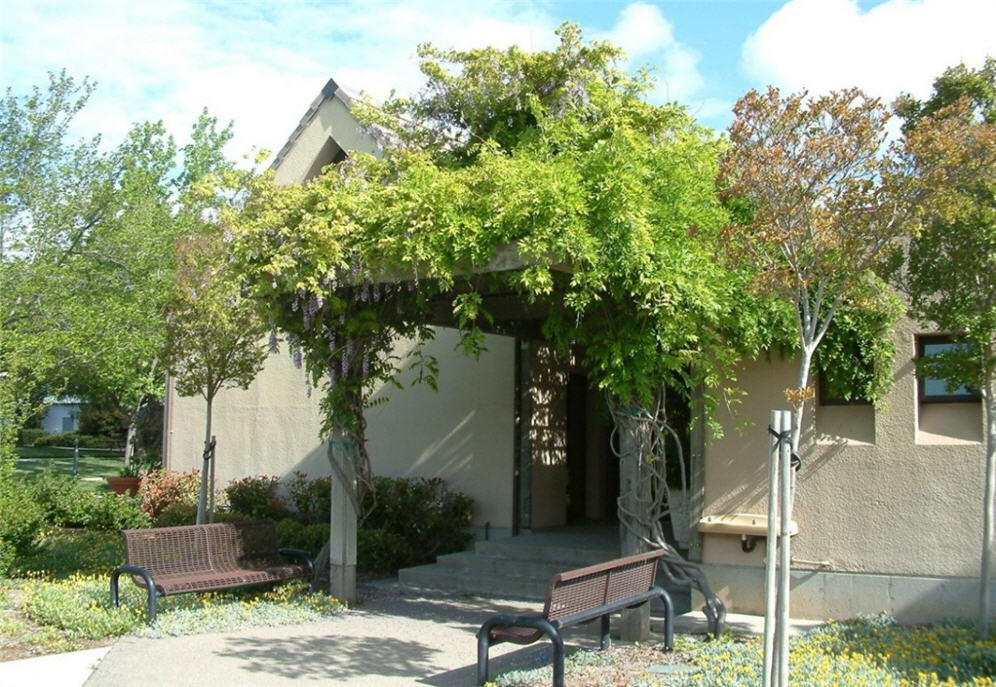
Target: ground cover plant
872	651
56	599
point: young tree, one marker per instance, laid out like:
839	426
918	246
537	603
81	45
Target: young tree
213	334
819	209
950	277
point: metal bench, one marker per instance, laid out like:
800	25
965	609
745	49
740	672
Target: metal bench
575	597
199	558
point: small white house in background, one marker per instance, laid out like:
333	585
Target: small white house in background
888	503
61	415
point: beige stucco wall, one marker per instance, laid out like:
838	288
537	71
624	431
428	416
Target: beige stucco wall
876	494
463	433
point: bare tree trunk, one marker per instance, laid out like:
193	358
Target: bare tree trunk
205	466
801	393
987	508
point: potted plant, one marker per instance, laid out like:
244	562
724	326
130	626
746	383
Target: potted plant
130	476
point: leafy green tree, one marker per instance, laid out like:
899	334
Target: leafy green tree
52	192
950	278
601	206
87	241
213	333
819	210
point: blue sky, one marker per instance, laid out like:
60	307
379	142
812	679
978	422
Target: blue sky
261	62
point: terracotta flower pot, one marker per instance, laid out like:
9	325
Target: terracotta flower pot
121	485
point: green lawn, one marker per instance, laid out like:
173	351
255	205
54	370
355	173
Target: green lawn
94	465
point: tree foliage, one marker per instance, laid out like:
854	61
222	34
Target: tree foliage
555	154
819	210
951	275
87	240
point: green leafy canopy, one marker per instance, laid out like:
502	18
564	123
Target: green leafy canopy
607	202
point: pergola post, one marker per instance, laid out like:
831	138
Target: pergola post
633	488
343	525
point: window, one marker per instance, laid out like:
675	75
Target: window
935	389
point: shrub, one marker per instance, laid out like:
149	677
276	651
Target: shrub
115	512
311	538
21	519
380	551
29	435
310	498
86	440
64	502
59	553
256	497
175	514
163	488
423	513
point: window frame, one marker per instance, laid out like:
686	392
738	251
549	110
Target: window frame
923	340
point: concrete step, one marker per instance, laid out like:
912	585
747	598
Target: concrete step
472	582
566	556
505	567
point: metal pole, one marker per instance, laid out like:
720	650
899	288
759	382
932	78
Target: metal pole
76	457
784	551
770	589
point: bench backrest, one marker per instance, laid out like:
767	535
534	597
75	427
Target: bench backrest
579	590
196	548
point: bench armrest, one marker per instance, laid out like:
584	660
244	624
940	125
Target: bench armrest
300	555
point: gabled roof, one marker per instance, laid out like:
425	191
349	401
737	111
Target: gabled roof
325	133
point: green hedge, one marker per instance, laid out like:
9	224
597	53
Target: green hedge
29	435
66	439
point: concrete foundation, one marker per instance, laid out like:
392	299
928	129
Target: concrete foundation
838	595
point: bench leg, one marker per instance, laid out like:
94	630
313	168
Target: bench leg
606	638
150	587
668	618
483	645
558	659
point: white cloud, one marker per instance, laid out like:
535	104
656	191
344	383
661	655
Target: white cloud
895	47
648	37
261	63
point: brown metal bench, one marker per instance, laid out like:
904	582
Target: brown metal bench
200	558
575	597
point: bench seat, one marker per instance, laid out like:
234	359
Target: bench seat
201	558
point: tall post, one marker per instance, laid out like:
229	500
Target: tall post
345	513
635	623
771	547
76	457
784	550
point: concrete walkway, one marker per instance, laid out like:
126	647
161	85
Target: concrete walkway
395	636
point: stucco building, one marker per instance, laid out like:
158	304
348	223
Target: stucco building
889	499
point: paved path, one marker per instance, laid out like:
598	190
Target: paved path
395	636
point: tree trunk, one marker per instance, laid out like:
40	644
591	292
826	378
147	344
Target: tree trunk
129	447
205	466
799	403
987	508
